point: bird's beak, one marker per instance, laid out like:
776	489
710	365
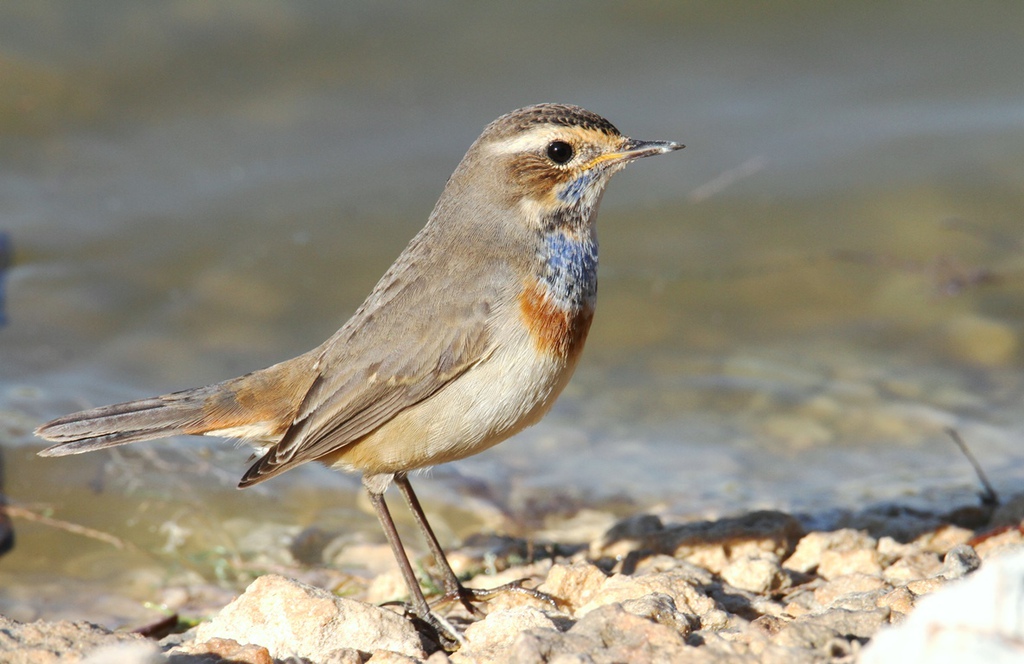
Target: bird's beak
634	149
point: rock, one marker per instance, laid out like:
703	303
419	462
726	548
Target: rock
809	550
486	638
574	584
761	574
913	567
843	586
134	652
835	564
217	650
289	618
853	624
899	600
637	639
925	586
943	538
977	619
678	584
44	642
606	635
661	609
714	544
959	562
384	657
998	542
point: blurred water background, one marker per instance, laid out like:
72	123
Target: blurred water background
792	310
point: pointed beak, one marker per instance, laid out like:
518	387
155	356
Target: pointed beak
634	149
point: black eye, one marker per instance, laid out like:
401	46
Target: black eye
559	152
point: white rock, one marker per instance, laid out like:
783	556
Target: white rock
289	618
978	619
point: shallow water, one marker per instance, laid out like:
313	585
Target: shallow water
792	309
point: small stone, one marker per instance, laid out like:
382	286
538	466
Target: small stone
389	657
630	638
959	562
891	550
661	609
677	584
486	638
805	634
757	575
136	653
801	604
439	657
343	656
71	640
807	555
925	586
849	584
607	634
574	584
920	565
226	650
858	624
898	600
842	563
769	626
1005	541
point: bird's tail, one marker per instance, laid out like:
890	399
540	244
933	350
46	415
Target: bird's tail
258	406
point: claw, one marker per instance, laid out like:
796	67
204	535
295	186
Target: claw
467	596
447	636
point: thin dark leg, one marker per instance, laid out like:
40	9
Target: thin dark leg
453	589
449	637
419	602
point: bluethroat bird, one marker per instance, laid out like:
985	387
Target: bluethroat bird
467	339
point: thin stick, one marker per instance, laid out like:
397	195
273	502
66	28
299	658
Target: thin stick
988	496
74	528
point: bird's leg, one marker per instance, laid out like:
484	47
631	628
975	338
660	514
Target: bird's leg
448	634
453	589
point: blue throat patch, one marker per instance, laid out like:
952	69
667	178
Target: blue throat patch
570	268
574	190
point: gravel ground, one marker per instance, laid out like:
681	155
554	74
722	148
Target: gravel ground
761	587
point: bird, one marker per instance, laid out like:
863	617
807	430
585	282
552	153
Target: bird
466	340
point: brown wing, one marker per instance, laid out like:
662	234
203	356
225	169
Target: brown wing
402	346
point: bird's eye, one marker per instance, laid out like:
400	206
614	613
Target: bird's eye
559	152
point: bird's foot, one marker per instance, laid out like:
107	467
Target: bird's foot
468	596
437	627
